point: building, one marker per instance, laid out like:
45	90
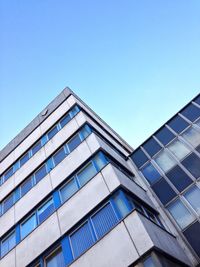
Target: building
74	193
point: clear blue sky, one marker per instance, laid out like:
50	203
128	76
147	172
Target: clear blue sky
135	62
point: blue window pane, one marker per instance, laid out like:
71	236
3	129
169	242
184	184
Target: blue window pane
139	158
26	186
56	259
152	147
197	100
191	112
24	159
100	160
59	156
178	124
8	202
121	204
52	132
193	197
74	142
86	174
149	262
65	120
36	147
104	220
28	226
68	190
179	178
81	240
39	174
46	210
8	243
192	234
74	111
86	130
164	191
150	173
8	174
164	135
192	164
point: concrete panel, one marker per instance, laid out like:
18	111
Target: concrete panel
32	198
30	166
7	187
54	117
114	249
27	143
70	164
7	221
8	260
61	137
71	100
7	162
82	202
81	118
38	241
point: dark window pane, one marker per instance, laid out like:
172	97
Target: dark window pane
81	240
191	112
164	191
139	158
52	132
24	159
150	173
68	190
178	124
56	259
8	173
36	147
86	174
149	262
8	203
45	211
164	135
59	156
192	164
65	120
192	234
197	100
40	173
104	220
74	142
198	148
152	147
74	111
8	243
179	178
26	186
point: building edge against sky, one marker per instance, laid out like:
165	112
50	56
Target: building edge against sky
73	192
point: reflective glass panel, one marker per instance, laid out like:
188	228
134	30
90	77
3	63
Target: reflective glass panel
46	210
74	142
164	161
52	132
40	173
68	190
86	173
26	186
8	243
197	100
65	120
151	146
149	262
164	191
55	260
164	135
8	203
192	136
178	149
178	124
8	174
24	159
180	213
150	173
59	156
192	234
28	226
193	197
191	112
192	163
139	158
36	147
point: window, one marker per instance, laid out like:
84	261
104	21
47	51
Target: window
180	213
104	220
179	178
164	161
28	226
74	111
149	262
24	159
121	205
164	191
65	120
68	190
191	112
81	240
39	174
193	197
192	234
46	210
179	149
74	142
150	173
85	131
86	173
139	158
8	202
8	243
192	136
8	174
59	156
178	124
100	160
164	135
197	100
152	147
56	259
26	186
36	147
192	163
52	132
